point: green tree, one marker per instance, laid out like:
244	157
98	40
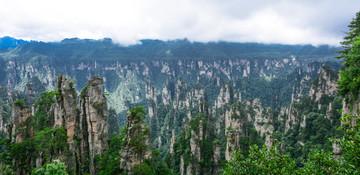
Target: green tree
321	162
153	166
56	168
350	142
260	161
354	31
349	82
109	163
137	111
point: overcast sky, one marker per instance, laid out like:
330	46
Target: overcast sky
128	21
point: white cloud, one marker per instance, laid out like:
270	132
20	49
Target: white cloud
271	21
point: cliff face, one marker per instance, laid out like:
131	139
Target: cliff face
18	129
127	80
85	126
196	144
315	112
325	84
93	115
137	146
242	123
242	119
322	92
238	91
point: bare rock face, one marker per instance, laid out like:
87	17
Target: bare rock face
92	122
172	141
2	123
138	144
166	93
237	120
65	109
64	114
217	153
152	98
18	131
324	84
262	121
224	96
86	126
18	120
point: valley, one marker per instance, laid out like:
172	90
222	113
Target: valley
201	101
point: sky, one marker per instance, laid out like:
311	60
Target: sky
128	21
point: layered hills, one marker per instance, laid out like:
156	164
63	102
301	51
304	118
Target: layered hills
202	100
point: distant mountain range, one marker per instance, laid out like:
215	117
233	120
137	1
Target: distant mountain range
9	42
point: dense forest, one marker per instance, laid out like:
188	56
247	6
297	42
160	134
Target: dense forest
84	106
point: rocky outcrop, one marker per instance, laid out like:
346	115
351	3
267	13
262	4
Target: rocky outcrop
322	88
225	96
2	122
85	125
325	84
33	89
172	102
166	93
263	121
63	114
65	108
235	123
172	141
18	130
138	144
217	157
93	121
241	118
152	98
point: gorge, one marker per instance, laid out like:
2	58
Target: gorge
201	102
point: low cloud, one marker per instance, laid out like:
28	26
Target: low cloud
126	22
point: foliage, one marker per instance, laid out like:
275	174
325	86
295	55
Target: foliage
110	161
83	91
152	166
40	119
6	170
320	125
349	82
263	161
50	140
142	169
71	80
56	168
321	162
20	103
354	31
46	141
137	112
350	142
100	107
196	121
260	161
139	132
113	125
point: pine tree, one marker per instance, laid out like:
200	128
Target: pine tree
354	31
349	82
